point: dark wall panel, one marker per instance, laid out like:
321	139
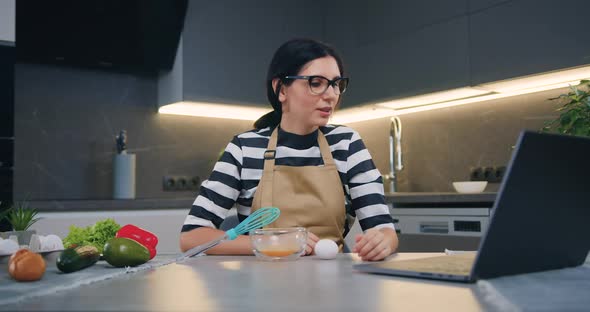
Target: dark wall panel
67	120
6	91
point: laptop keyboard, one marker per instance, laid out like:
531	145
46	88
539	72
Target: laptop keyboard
459	264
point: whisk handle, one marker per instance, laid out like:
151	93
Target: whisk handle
231	234
201	248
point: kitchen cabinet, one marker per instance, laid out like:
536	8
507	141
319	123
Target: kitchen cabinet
431	59
390	49
433	222
397	49
437	229
529	36
380	20
478	5
226	52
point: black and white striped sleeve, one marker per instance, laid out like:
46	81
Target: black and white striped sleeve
366	187
218	194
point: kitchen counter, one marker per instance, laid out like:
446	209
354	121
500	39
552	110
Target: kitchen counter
112	204
406	199
243	283
438	198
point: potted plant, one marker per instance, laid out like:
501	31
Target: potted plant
574	118
20	217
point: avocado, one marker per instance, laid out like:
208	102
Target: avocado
123	252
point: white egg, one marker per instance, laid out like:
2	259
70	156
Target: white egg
326	249
8	247
53	242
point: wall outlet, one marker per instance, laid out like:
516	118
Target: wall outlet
476	174
490	174
499	173
179	183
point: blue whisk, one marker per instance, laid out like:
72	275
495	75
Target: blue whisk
259	218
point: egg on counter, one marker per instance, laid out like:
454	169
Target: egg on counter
8	246
326	249
41	243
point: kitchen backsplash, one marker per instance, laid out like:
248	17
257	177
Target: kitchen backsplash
66	121
441	146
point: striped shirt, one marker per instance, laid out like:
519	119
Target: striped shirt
236	175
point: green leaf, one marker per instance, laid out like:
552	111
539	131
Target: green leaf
76	236
96	235
4	214
21	217
574	118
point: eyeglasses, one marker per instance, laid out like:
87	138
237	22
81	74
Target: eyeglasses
319	84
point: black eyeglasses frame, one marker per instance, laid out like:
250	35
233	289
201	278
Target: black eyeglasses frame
334	83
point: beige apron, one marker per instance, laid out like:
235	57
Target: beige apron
308	196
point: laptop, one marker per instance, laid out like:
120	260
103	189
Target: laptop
539	221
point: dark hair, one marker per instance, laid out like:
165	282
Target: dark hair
288	61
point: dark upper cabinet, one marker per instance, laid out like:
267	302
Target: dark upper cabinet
228	46
391	49
477	5
131	36
430	59
382	19
529	36
394	49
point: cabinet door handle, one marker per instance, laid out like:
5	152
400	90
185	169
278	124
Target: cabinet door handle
434	227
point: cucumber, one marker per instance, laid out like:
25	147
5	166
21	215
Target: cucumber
78	258
123	252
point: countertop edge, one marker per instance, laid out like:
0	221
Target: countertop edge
401	198
439	197
111	204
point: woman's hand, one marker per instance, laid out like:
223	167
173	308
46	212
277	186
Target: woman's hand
375	244
312	239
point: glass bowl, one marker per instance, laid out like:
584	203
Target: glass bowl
274	244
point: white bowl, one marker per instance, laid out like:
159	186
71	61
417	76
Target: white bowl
470	186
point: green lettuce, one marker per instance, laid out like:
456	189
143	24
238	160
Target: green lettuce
96	235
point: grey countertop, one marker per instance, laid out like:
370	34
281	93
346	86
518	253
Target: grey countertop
405	199
63	205
439	198
236	283
244	283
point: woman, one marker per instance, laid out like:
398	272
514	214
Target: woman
314	172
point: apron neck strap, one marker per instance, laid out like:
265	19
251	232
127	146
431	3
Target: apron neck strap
325	149
269	163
